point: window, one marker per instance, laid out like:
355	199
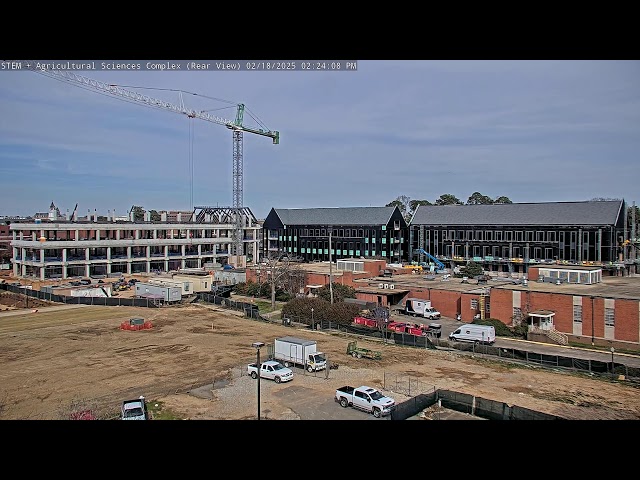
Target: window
609	317
474	304
577	314
498	236
517	313
519	235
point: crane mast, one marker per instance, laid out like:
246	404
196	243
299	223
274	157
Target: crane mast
236	126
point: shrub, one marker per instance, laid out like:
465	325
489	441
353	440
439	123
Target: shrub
339	312
503	330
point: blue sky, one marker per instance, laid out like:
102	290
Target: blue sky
534	131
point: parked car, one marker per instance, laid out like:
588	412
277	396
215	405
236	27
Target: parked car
272	370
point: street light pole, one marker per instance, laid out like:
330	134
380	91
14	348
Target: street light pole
330	268
313	327
257	346
612	364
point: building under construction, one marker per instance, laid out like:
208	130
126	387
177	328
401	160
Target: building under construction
58	247
510	237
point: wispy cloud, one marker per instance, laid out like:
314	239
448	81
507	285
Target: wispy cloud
530	130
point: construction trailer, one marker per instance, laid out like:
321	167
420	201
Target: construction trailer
197	283
185	286
166	293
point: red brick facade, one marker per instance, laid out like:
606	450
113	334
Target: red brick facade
626	333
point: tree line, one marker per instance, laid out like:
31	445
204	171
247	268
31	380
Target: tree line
408	207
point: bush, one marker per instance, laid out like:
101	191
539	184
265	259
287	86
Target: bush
471	270
339	312
340	292
282	296
503	330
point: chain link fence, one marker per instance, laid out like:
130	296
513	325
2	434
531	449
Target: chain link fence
588	366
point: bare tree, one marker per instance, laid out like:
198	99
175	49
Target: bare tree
278	271
402	202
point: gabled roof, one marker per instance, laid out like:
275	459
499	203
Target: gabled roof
546	213
335	216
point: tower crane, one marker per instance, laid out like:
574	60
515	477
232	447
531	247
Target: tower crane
236	126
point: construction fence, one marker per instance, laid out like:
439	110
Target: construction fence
591	367
465	403
588	366
101	301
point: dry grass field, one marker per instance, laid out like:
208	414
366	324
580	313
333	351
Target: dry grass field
63	359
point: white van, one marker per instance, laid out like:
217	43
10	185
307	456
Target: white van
474	333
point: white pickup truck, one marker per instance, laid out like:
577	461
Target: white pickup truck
271	370
365	398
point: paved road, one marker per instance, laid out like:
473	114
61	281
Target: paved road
450	324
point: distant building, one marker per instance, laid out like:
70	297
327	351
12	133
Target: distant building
369	232
510	237
102	246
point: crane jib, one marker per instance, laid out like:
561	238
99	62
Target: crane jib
57	71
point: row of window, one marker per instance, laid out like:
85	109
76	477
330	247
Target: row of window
366	240
356	253
510	235
609	315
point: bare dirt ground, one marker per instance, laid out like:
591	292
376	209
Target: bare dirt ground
69	358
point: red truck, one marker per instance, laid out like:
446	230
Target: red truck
367	322
432	330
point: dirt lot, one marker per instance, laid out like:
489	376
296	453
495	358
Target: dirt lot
64	359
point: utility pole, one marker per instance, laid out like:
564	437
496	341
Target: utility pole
330	267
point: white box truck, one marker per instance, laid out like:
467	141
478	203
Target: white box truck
420	307
299	352
474	333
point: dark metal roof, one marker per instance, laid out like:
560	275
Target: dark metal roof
335	216
549	213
